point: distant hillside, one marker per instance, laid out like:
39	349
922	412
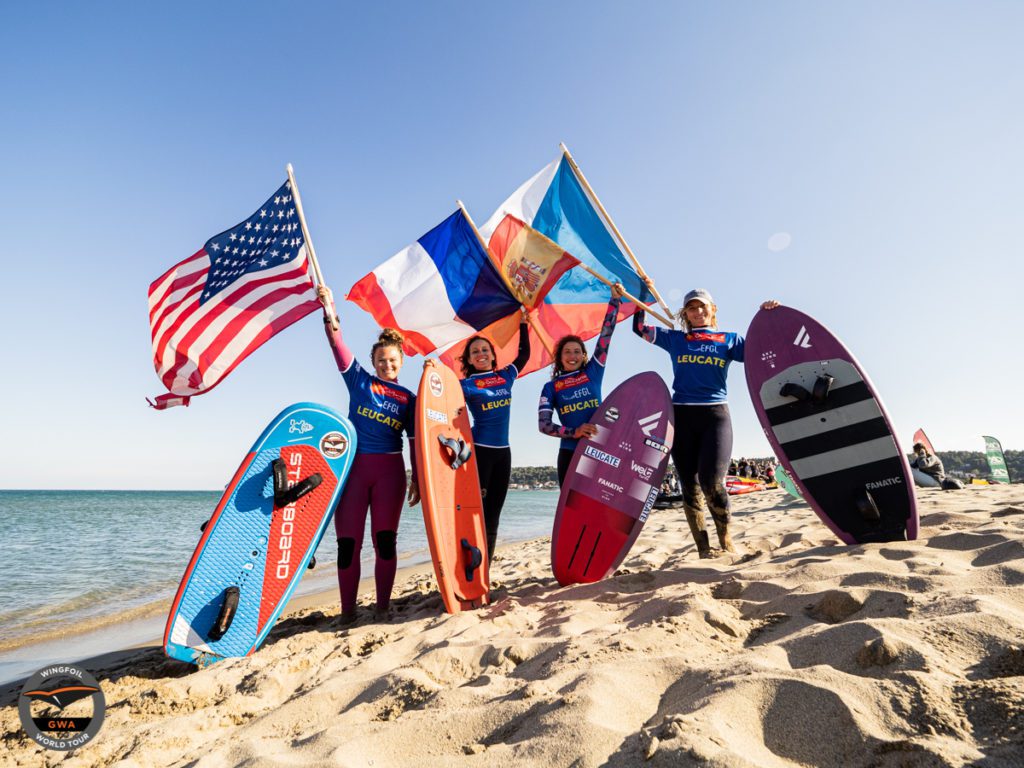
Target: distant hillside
957	463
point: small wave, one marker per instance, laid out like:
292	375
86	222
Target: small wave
42	630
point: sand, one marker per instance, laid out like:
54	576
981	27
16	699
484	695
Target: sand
796	650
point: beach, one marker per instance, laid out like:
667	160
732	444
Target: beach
796	650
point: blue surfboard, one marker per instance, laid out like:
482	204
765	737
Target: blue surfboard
262	535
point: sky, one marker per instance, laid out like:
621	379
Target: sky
860	161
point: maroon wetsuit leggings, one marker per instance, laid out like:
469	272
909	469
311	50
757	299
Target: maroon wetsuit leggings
376	482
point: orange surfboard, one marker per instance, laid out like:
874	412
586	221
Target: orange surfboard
453	510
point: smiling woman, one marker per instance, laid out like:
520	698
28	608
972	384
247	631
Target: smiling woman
380	409
575	387
703	440
488	393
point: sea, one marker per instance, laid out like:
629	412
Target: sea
88	572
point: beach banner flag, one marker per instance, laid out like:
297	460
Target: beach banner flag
439	290
212	310
996	460
921	437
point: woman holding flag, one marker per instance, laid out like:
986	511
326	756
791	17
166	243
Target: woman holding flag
380	409
575	387
702	446
488	393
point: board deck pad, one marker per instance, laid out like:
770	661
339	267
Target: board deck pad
613	481
260	549
839	449
453	510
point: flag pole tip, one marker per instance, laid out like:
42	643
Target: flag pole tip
288	169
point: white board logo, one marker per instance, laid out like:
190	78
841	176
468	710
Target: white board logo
438	416
435	383
612	414
769	357
803	339
649	423
607	458
300	425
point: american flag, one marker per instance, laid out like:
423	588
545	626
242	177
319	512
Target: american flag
244	285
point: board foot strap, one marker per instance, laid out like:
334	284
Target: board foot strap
461	450
283	495
227	614
475	556
818	395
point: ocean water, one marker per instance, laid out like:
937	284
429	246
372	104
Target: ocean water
78	561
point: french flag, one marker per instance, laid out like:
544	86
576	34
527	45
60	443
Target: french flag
438	290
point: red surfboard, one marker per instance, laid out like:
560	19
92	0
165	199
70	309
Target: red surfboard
453	510
613	481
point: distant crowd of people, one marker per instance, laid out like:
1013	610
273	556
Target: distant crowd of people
756	469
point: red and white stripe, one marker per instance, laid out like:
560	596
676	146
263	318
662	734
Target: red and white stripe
194	346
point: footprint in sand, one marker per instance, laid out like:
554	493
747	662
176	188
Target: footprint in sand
834	606
1006	661
1008	512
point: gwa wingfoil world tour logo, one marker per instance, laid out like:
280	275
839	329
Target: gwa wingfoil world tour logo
61	707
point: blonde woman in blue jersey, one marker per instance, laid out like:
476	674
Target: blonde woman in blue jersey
702	446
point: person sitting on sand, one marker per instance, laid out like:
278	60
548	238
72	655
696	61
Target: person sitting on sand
931	465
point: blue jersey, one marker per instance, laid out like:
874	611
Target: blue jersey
489	397
700	363
379	410
574	396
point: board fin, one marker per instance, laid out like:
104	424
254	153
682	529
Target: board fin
283	495
226	615
866	505
476	558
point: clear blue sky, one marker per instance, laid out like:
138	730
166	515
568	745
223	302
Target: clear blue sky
884	138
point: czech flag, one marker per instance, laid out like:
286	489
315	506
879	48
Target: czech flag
441	289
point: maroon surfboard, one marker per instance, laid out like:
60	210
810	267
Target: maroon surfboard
613	481
829	428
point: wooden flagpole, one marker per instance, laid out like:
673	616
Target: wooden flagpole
629	251
309	242
626	295
497	266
